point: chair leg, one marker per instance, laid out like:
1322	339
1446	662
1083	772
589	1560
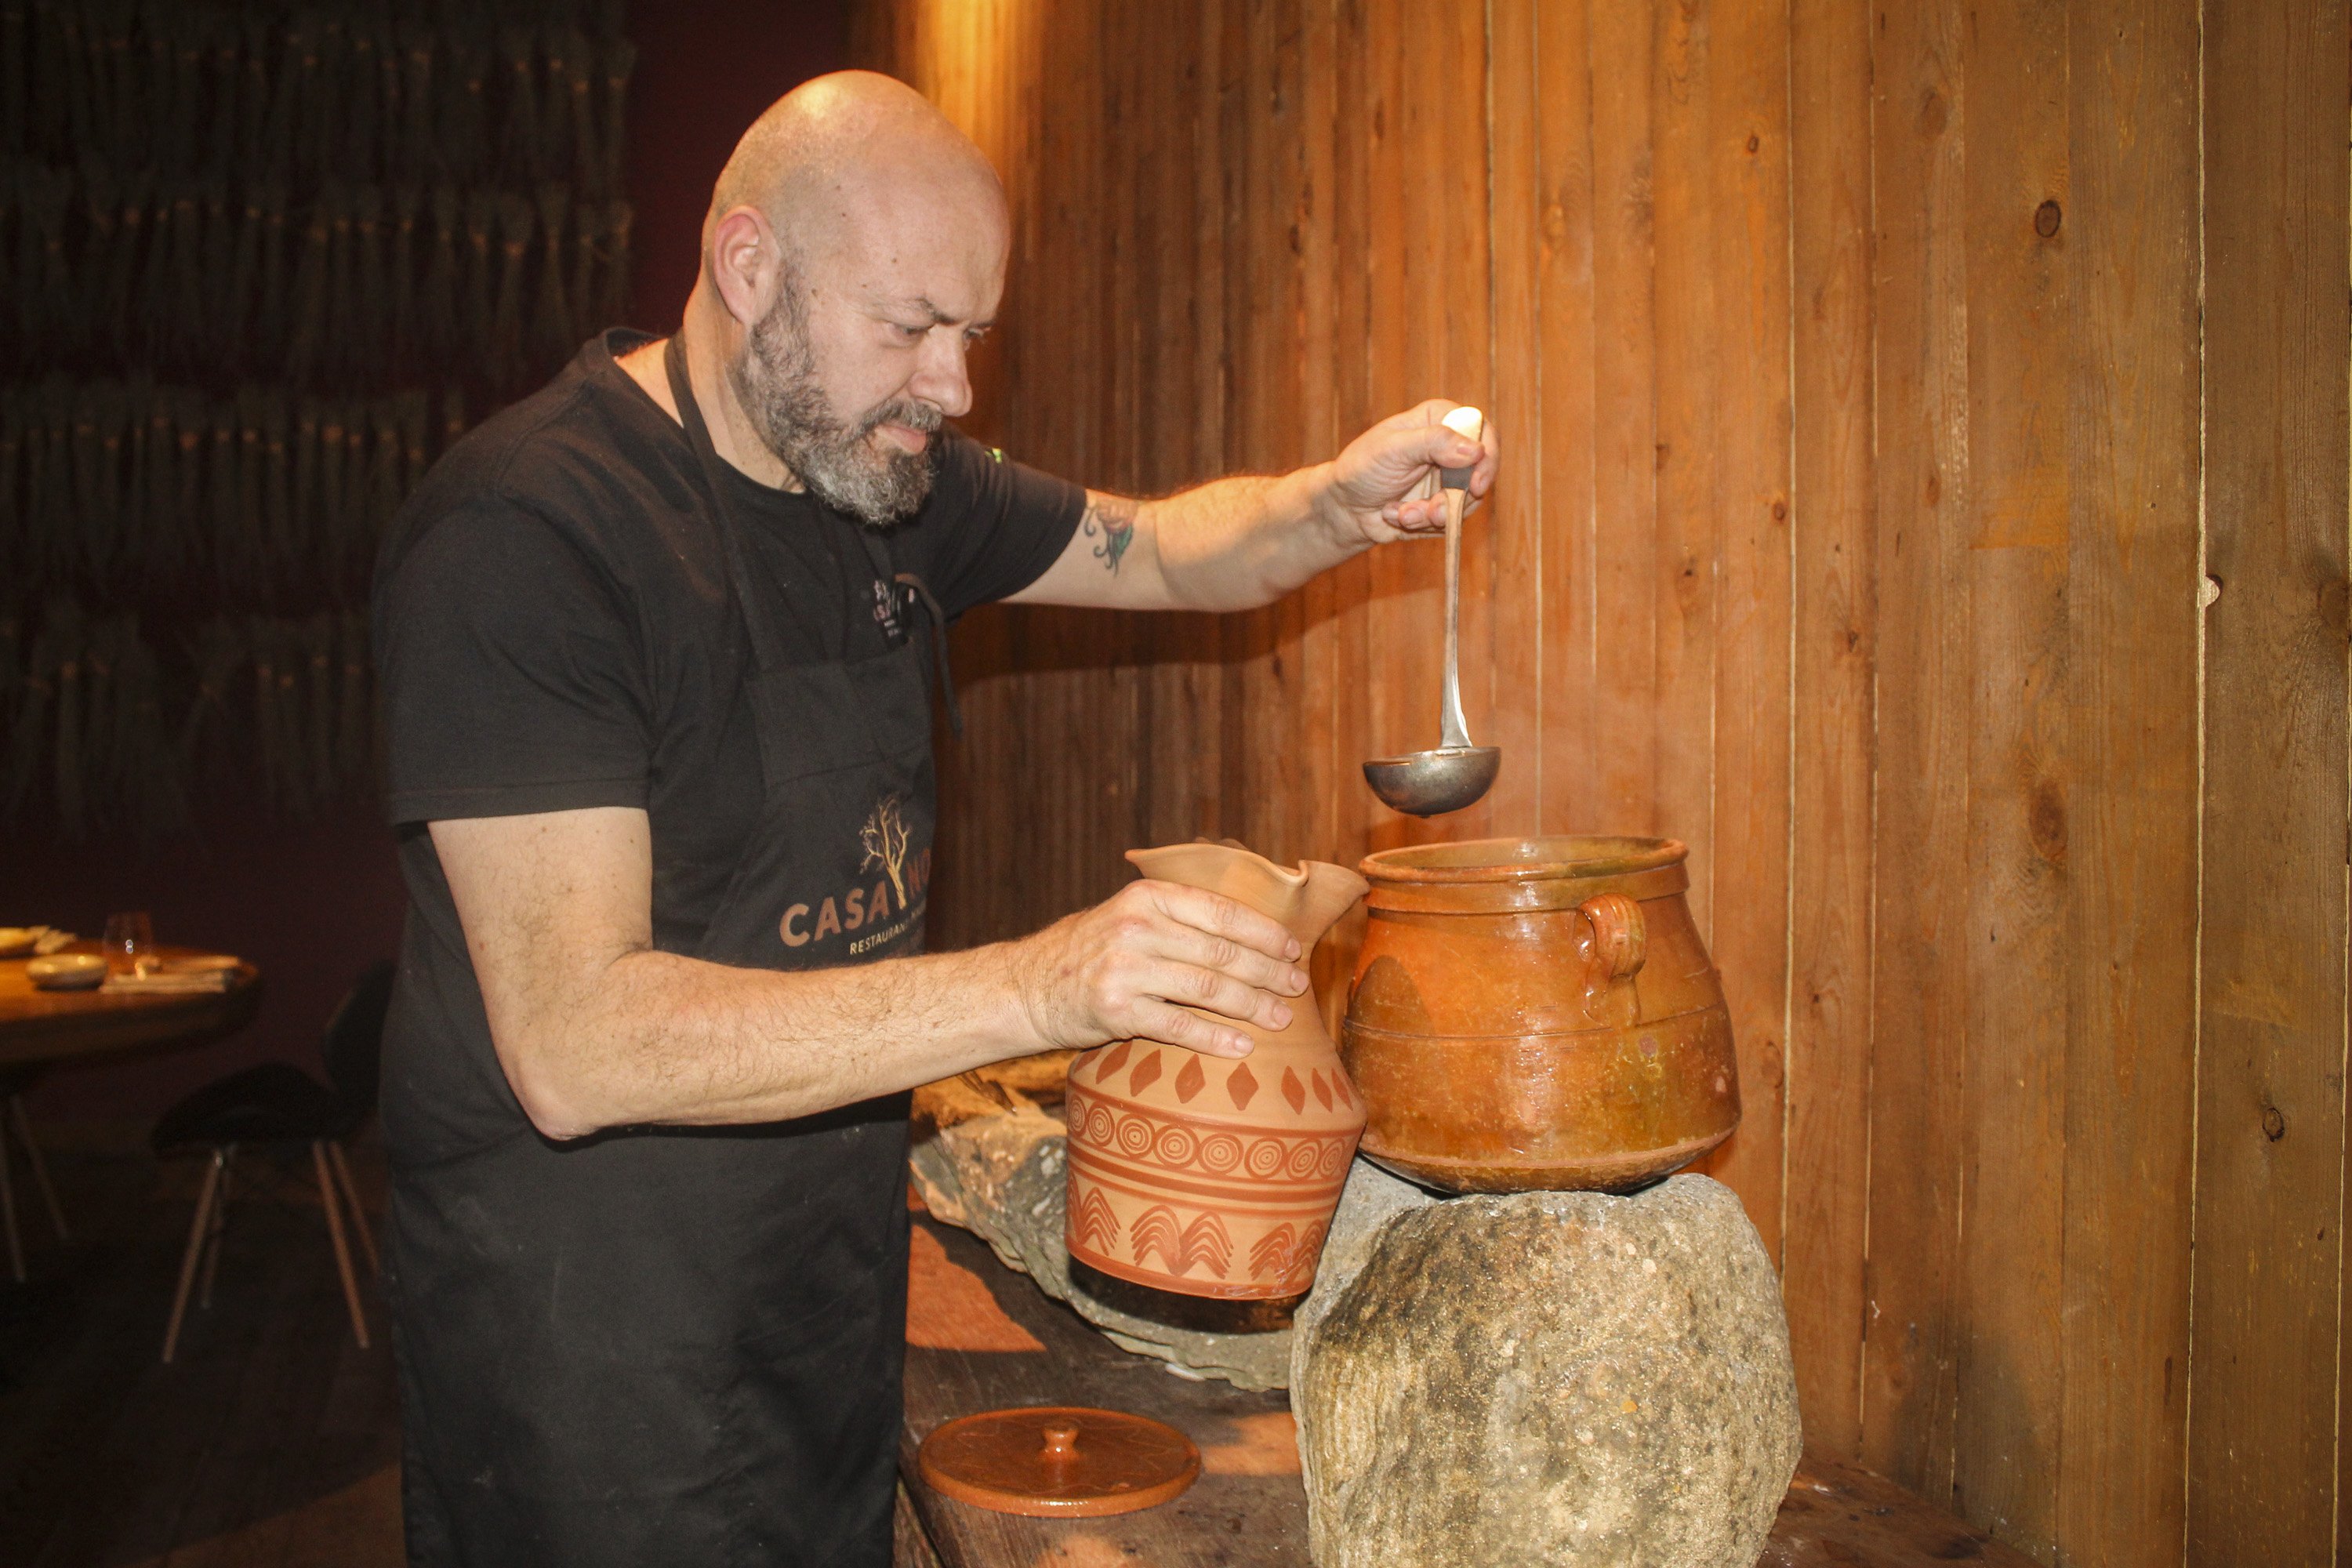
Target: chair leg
40	1166
219	1231
359	1215
335	1233
8	1212
197	1229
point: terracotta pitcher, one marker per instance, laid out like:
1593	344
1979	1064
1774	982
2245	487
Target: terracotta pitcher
1210	1175
1537	1013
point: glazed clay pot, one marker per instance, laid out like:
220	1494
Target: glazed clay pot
1209	1175
1537	1013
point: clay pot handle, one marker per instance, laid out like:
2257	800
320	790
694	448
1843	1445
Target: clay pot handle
1620	939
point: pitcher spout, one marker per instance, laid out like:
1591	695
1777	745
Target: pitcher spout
1307	899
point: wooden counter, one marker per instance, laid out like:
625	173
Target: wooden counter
980	1336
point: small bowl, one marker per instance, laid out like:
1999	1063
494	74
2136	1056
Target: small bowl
67	972
15	941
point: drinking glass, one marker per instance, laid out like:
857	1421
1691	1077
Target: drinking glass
128	943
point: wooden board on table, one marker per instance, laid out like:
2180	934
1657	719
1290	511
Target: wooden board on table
911	1547
1841	1513
1248	1506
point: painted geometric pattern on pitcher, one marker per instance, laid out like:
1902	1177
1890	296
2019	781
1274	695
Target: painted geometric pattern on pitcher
1284	1254
1092	1222
1204	1241
1172	1144
1241	1085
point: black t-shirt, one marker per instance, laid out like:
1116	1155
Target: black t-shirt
554	630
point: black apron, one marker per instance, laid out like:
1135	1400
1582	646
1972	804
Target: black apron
684	1346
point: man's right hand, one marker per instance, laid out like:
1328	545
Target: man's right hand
1132	967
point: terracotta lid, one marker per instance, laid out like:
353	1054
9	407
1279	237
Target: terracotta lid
1059	1461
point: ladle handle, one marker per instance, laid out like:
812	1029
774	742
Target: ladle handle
1453	733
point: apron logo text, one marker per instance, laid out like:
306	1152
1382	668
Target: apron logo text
898	891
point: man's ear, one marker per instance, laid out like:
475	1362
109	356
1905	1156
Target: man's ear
745	254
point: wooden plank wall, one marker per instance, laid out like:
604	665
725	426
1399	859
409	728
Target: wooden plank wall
1927	496
2269	1172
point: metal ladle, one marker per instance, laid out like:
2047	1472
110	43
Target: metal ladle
1457	773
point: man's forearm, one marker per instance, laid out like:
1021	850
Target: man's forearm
1237	544
657	1038
593	1029
1234	544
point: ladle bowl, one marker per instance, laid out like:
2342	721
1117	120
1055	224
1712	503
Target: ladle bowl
1455	773
1430	784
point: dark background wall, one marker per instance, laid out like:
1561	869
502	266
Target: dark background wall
312	901
704	71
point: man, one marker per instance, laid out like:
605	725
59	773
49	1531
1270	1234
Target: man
654	646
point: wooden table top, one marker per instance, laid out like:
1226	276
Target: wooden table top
980	1337
56	1026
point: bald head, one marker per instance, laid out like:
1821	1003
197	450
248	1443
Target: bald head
853	254
847	152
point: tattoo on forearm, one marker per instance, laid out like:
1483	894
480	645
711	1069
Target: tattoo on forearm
1109	520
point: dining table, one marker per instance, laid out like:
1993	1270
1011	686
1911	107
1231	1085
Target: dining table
49	1027
40	1029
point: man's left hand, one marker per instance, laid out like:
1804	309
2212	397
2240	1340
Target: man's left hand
1375	485
1236	543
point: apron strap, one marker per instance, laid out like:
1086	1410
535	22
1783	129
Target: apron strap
938	632
905	590
767	647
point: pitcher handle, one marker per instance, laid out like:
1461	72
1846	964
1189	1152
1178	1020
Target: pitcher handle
1621	940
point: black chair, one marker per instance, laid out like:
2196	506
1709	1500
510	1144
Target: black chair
15	1084
277	1105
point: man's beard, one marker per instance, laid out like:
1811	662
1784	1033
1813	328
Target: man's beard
775	381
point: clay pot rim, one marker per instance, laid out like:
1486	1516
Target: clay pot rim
1545	858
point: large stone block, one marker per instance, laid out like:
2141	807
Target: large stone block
1547	1377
